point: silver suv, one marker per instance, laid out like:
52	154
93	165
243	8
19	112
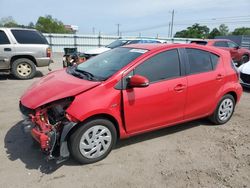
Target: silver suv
22	50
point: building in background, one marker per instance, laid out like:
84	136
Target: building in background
72	28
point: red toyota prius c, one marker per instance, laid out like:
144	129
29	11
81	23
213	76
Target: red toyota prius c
81	111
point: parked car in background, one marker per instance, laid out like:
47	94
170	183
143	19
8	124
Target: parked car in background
127	91
239	55
22	50
118	43
245	74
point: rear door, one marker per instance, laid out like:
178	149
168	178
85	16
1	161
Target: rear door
5	50
206	77
162	102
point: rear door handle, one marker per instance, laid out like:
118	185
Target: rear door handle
7	49
179	87
219	77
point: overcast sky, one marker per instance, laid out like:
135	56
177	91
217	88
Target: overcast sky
148	17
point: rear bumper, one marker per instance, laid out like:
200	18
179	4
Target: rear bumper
42	62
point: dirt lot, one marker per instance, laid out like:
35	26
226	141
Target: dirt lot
195	154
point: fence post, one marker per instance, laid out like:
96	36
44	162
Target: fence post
75	41
99	40
50	40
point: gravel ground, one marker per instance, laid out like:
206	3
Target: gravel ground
194	154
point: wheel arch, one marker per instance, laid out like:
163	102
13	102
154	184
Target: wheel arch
233	93
97	116
22	56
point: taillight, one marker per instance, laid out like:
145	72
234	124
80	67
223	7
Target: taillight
48	52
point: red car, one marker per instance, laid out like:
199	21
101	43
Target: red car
239	55
83	110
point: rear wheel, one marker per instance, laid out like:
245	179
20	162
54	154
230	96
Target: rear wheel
23	68
224	110
93	141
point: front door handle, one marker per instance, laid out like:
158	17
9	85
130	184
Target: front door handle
179	87
7	49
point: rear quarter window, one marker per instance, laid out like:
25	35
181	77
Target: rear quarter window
29	37
3	38
214	60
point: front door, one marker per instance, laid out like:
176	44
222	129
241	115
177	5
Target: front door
163	101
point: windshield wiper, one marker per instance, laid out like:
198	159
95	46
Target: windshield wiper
89	75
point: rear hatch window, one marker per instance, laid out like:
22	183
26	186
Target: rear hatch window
29	37
199	42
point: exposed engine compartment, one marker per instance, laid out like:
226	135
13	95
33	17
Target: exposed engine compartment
47	123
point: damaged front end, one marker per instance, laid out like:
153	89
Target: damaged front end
49	125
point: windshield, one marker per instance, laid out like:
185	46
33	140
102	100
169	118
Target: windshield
106	64
117	43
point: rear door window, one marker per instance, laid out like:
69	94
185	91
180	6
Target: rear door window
3	38
199	61
28	37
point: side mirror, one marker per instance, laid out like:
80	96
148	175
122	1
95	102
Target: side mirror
138	81
236	47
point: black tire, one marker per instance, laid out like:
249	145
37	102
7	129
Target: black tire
77	135
215	116
29	69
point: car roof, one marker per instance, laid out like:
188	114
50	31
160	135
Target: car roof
17	28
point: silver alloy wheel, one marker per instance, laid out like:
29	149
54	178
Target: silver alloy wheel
24	69
95	141
226	109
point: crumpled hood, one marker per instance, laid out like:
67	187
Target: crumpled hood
97	51
245	68
54	86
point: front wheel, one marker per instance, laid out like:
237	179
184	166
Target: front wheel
224	110
93	141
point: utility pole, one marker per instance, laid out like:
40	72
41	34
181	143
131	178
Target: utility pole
169	27
93	30
172	24
118	30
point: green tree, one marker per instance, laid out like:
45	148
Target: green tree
241	31
48	24
223	29
8	22
215	32
195	31
31	25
